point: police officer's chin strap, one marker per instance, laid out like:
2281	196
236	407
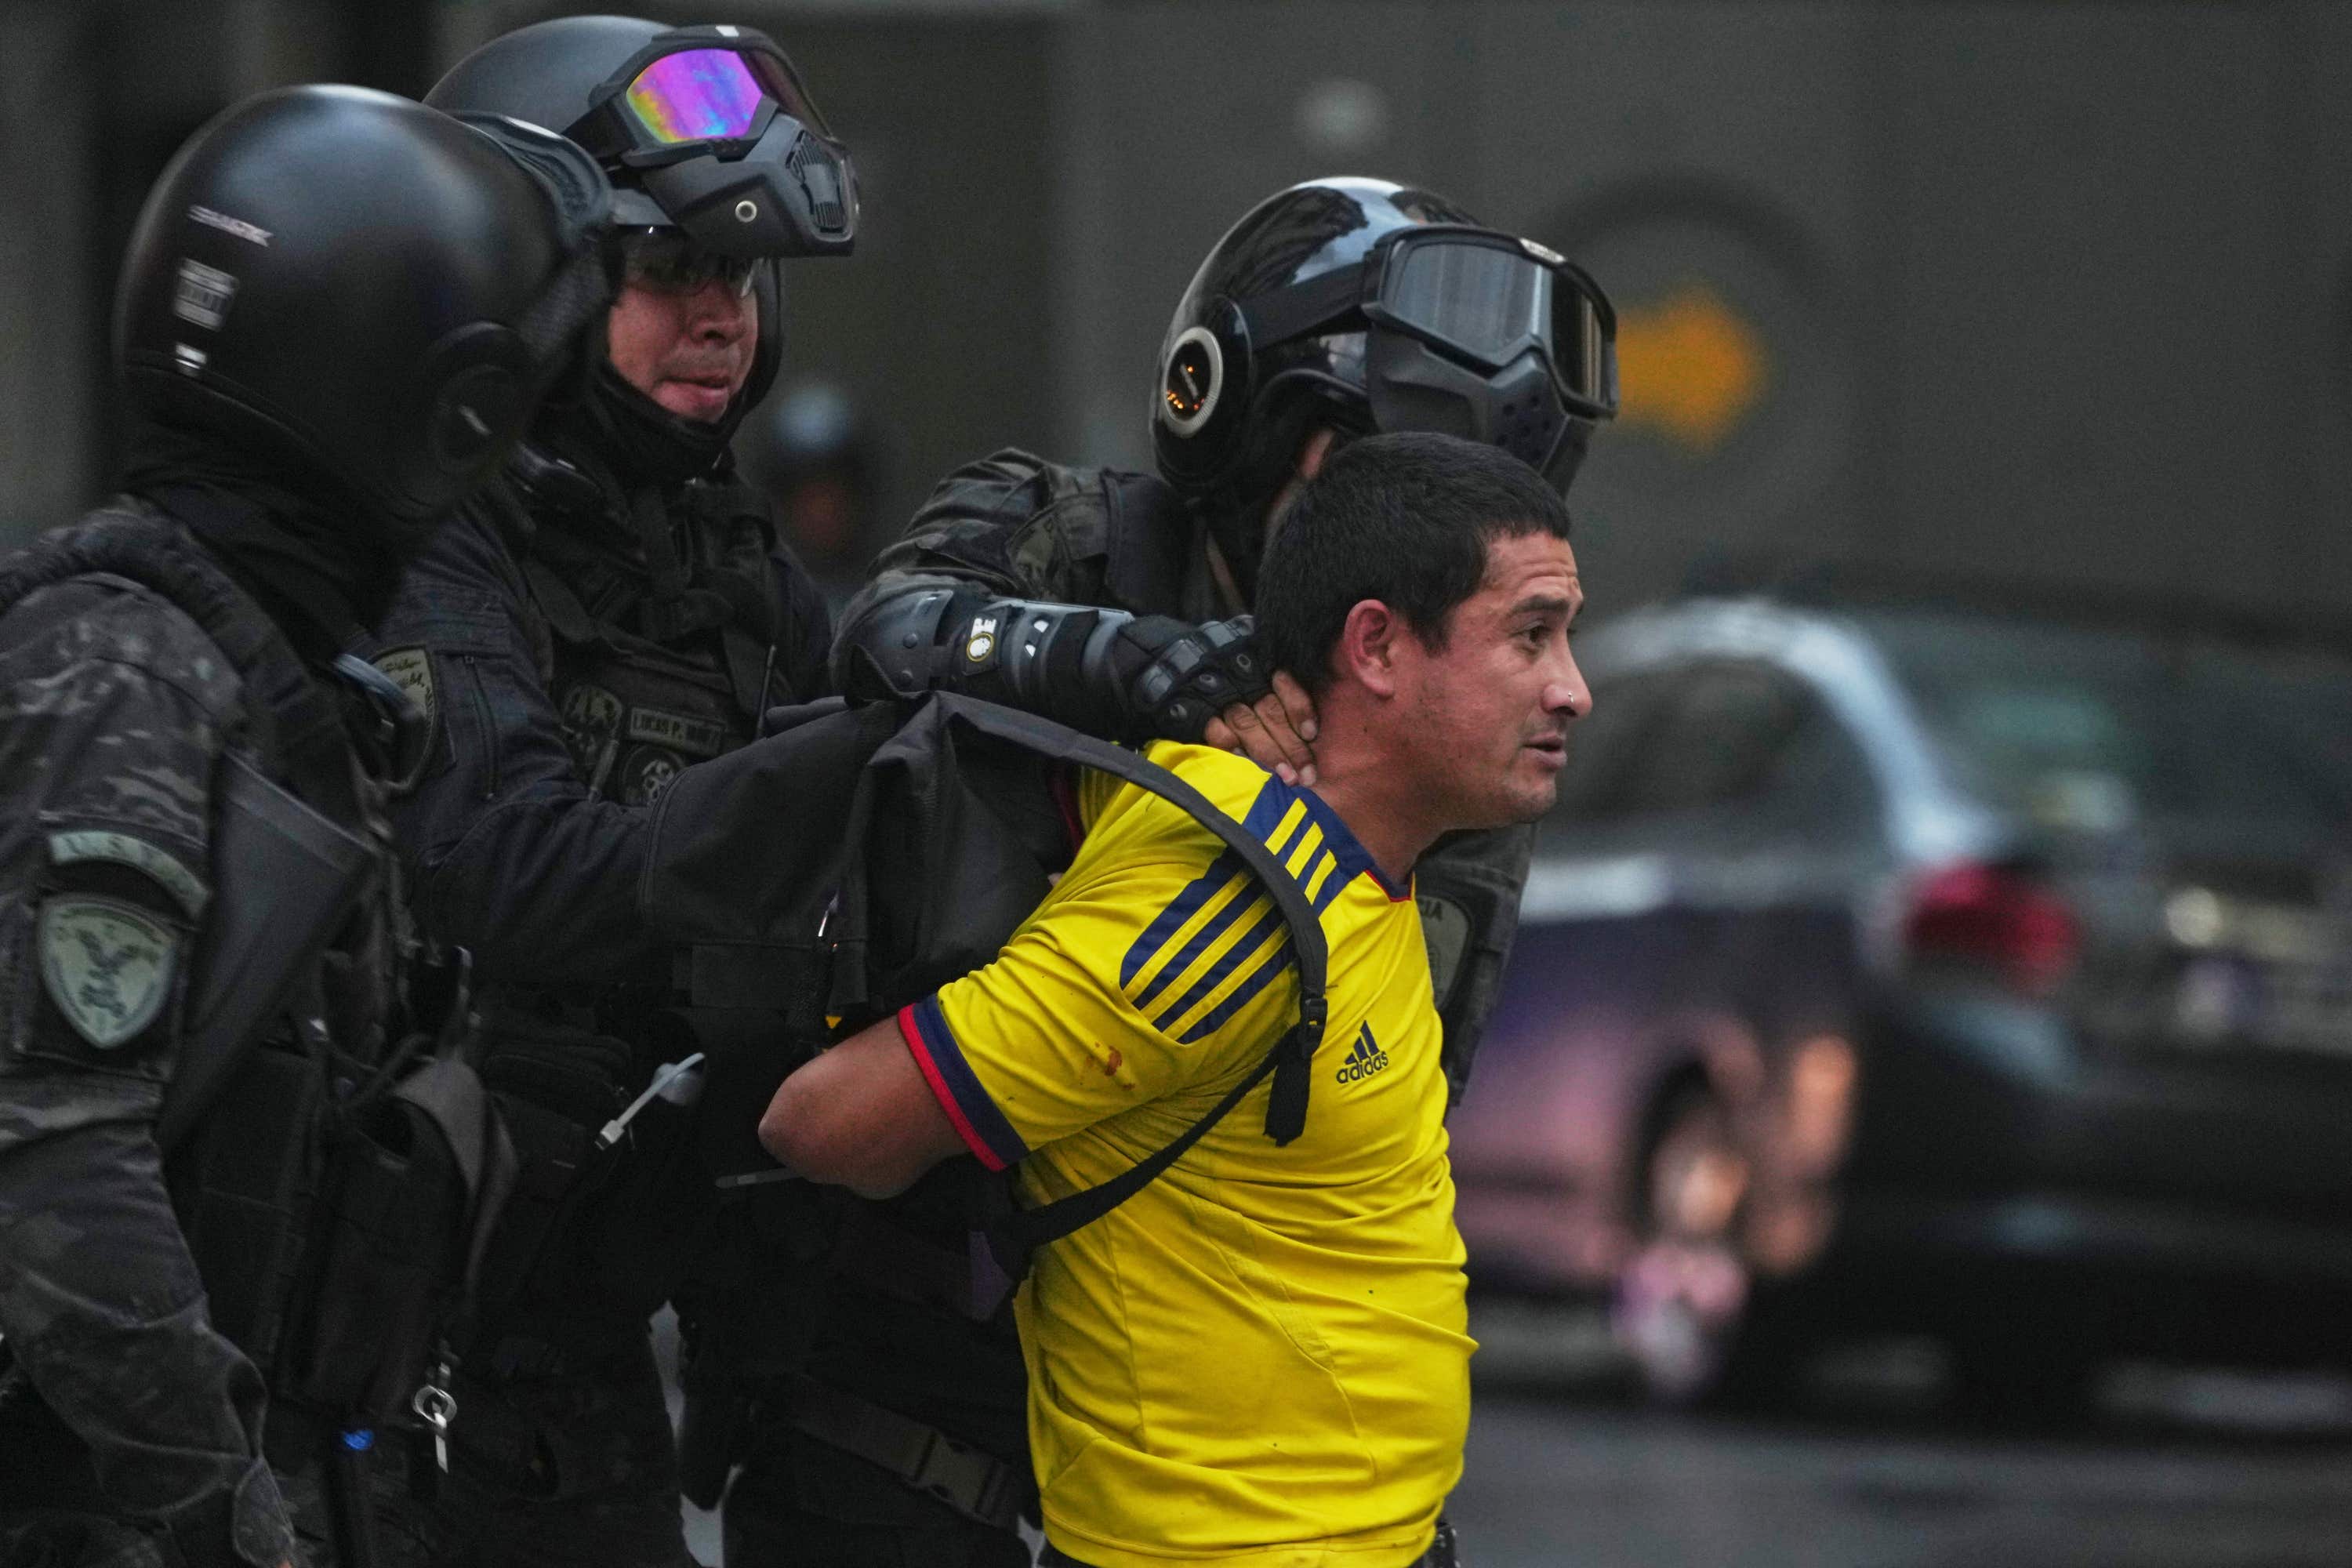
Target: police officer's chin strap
1109	673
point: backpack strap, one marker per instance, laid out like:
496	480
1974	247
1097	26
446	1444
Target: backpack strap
1285	1114
1009	1236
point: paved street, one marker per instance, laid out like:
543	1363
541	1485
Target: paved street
1558	1486
2178	1471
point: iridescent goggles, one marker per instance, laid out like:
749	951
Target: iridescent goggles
713	125
1475	296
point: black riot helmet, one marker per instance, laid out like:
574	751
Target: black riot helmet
1368	306
364	287
706	133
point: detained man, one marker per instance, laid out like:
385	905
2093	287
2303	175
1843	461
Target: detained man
1260	1358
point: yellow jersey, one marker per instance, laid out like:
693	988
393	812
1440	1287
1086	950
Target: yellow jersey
1262	1357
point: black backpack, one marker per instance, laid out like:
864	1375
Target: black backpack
908	845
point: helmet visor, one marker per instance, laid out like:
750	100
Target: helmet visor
1489	297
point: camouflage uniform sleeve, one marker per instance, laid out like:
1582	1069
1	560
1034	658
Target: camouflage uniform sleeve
510	854
1468	889
112	707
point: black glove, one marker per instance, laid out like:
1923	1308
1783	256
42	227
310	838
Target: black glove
582	1075
1109	673
1177	676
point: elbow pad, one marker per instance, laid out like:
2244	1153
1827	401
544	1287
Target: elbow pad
1106	672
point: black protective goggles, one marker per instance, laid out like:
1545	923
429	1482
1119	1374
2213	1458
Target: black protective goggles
696	97
1474	295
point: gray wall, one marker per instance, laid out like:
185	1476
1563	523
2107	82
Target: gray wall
2055	290
45	252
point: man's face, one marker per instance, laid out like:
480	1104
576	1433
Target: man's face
1486	716
689	350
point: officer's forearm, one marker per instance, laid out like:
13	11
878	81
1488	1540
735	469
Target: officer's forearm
543	887
104	1312
927	633
1103	672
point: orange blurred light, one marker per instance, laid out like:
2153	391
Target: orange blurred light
1689	367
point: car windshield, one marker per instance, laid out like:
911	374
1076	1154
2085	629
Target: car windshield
2092	730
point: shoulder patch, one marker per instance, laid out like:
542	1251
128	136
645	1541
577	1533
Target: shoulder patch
106	964
411	669
167	869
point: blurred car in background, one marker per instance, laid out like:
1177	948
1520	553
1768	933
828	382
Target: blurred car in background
1891	969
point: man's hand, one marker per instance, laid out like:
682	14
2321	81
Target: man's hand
1277	731
1177	676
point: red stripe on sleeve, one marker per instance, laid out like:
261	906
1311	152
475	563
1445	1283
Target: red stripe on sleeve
912	1034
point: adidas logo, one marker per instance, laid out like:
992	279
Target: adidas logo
1363	1060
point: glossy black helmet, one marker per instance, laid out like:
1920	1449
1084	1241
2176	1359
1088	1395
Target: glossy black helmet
364	287
705	131
1369	306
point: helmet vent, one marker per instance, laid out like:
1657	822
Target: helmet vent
1528	431
820	178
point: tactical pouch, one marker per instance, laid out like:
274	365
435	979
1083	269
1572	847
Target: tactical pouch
555	1084
293	876
391	1241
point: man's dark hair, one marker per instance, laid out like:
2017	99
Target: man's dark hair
1403	518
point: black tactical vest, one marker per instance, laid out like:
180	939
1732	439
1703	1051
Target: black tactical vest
664	638
666	625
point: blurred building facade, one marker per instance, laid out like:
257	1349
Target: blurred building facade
2059	292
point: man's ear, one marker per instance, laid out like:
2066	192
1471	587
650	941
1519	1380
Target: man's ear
1367	646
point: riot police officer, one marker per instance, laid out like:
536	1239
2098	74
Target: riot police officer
1333	308
616	609
222	1048
1113	602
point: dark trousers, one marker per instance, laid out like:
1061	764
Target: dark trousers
798	1503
